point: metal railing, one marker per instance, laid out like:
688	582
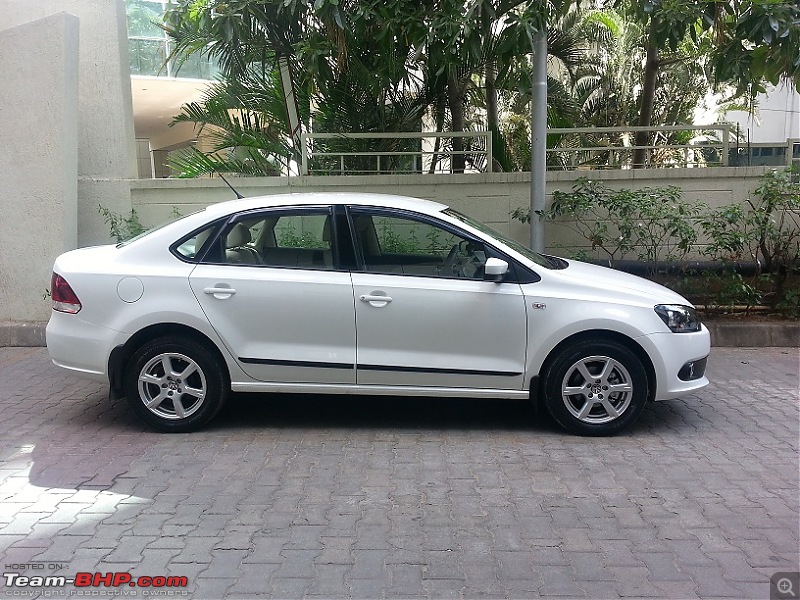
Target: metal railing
793	153
767	154
614	147
575	148
148	56
402	152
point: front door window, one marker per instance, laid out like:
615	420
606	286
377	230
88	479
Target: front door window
403	245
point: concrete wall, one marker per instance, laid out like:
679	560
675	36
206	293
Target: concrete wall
144	161
487	197
106	151
67	138
39	173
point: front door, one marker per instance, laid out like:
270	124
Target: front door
424	314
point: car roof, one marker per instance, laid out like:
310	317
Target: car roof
316	198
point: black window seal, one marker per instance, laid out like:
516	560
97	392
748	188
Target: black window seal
345	238
219	224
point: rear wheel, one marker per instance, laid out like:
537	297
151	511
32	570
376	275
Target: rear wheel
596	387
175	384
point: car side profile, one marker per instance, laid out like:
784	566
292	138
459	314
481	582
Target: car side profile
365	294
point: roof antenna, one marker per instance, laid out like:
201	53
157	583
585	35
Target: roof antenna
228	183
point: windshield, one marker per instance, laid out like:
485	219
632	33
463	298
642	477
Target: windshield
537	258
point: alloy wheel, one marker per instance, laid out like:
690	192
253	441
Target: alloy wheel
597	389
172	386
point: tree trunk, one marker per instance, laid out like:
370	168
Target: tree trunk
651	67
455	100
439	128
492	116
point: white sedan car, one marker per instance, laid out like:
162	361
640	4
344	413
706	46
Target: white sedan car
365	294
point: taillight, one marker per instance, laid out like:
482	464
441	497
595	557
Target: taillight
64	299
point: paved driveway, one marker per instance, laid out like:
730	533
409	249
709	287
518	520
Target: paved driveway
333	497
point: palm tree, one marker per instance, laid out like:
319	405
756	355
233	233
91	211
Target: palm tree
363	67
609	85
243	119
567	50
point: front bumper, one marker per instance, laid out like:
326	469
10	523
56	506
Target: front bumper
670	354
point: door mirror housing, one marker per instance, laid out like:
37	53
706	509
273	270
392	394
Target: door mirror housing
495	269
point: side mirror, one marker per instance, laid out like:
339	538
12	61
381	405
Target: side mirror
495	269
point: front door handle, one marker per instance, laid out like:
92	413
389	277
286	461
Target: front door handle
376	300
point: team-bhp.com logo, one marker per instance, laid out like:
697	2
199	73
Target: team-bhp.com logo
153	586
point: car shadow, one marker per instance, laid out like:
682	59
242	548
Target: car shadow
380	412
324	411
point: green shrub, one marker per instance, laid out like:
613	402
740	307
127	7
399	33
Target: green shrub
125	227
734	292
655	224
789	304
651	224
122	227
765	229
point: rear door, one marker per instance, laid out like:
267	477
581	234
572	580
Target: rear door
272	288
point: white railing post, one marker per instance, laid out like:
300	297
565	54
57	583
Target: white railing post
304	154
790	159
725	143
489	149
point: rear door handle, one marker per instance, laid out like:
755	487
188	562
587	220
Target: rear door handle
220	292
375	299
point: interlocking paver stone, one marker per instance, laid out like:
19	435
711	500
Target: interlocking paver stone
357	497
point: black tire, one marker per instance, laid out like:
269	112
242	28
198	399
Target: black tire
184	399
595	408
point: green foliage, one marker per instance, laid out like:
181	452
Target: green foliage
392	242
289	237
765	229
749	42
377	66
729	230
523	215
655	225
122	227
726	291
142	19
789	304
651	224
776	218
731	291
758	42
243	119
609	82
515	130
410	237
372	66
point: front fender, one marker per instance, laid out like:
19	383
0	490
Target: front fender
563	318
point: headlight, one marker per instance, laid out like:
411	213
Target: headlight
680	319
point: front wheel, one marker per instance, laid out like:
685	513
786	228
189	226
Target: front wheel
595	387
175	384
